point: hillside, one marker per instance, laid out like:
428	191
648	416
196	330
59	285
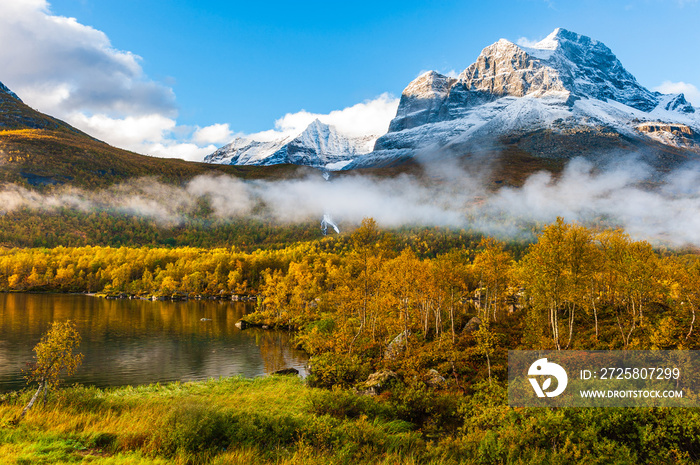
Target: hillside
39	151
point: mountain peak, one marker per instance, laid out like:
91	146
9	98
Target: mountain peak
316	125
562	61
565	84
559	36
319	145
551	42
428	85
502	43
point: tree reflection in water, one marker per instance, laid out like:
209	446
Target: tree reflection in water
139	342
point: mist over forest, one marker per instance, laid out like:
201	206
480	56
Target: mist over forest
627	194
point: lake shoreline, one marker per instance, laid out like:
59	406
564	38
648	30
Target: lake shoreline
137	342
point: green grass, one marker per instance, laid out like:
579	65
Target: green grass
233	420
280	420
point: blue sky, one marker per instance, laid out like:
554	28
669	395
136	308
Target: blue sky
179	77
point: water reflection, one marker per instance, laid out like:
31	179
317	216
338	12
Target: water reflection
139	342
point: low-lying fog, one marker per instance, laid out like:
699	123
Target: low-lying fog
617	196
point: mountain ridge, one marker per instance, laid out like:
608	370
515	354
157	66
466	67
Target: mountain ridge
567	85
40	152
319	145
564	84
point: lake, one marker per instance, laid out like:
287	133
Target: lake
132	342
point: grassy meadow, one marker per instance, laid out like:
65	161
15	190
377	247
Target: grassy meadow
281	420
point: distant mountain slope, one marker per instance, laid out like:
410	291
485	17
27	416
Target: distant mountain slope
40	151
319	145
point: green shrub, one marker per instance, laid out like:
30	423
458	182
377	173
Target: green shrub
324	326
432	411
329	369
194	428
344	404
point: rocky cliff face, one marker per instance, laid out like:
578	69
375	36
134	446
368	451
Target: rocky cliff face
676	103
565	84
589	69
422	101
504	69
678	135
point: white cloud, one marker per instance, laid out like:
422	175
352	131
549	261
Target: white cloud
214	134
184	150
692	93
151	134
369	118
131	131
583	192
62	66
525	42
71	71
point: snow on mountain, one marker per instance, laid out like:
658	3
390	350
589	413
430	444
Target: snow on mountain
319	145
564	82
568	85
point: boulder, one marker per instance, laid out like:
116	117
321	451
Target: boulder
397	346
286	371
472	325
434	379
376	382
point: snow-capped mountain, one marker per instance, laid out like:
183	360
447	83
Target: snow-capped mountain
319	145
567	84
565	96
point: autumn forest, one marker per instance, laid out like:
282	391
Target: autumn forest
414	327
